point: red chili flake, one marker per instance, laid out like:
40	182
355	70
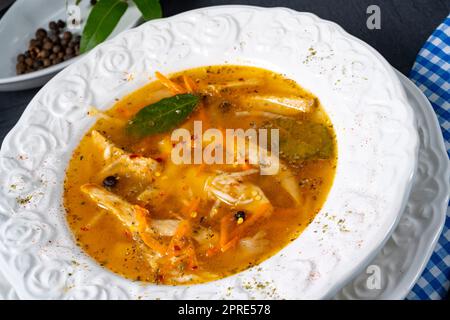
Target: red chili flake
128	234
84	229
177	248
133	156
159	278
159	160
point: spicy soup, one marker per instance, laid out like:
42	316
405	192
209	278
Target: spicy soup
142	216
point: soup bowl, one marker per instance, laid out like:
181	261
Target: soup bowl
374	125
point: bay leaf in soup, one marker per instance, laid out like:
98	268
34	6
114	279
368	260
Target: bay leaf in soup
303	140
163	115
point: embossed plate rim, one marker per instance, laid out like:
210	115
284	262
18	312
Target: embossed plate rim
385	75
401	292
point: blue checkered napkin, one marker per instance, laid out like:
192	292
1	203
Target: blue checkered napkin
431	73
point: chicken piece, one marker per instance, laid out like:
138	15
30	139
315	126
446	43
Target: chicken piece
288	183
121	209
148	231
118	160
286	106
152	195
269	164
131	216
205	237
164	227
230	189
255	244
255	113
217	88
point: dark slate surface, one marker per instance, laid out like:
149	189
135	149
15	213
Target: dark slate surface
405	26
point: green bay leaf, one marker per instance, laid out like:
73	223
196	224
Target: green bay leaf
150	9
163	115
102	20
303	140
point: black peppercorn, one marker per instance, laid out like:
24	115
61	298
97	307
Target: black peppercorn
37	64
61	24
49	47
67	35
69	50
33	43
52	25
21	68
57	60
240	215
54	38
41	33
110	181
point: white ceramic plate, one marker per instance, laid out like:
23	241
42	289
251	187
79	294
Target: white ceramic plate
404	257
375	127
17	27
401	260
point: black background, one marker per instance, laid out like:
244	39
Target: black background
405	26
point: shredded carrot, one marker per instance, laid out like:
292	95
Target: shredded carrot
257	215
189	84
239	231
183	229
225	223
192	258
181	246
212	251
172	86
152	243
192	206
230	244
141	217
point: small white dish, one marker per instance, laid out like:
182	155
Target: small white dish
375	128
17	27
